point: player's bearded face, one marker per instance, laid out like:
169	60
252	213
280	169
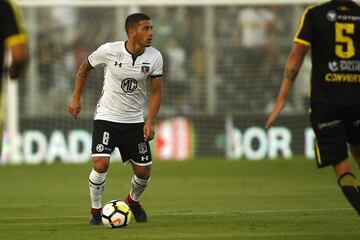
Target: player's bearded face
145	33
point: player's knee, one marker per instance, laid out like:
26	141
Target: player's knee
355	152
342	168
143	173
100	168
100	165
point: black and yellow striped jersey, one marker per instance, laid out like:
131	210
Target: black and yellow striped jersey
332	30
12	30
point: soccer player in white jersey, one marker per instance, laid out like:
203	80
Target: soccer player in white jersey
119	121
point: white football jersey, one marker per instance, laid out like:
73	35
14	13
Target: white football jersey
125	80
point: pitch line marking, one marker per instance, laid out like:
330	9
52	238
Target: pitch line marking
203	213
255	212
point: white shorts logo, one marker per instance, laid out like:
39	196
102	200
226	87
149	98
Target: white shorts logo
99	148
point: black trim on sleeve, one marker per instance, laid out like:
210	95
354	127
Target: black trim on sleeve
156	76
89	63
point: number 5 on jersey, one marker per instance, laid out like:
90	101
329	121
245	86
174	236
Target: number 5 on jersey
344	47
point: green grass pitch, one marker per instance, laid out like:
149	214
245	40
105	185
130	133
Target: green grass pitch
197	199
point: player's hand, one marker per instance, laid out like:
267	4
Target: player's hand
149	132
74	107
275	112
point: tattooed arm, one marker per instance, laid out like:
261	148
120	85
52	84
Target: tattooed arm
75	104
294	63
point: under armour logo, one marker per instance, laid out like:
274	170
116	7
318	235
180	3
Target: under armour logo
117	64
143	158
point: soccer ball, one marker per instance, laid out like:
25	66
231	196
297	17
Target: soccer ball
116	214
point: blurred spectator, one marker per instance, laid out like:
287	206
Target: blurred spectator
46	43
256	25
66	18
195	52
166	28
197	70
168	35
177	84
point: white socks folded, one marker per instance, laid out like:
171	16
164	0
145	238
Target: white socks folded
96	185
138	186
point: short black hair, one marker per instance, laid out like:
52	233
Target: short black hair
133	19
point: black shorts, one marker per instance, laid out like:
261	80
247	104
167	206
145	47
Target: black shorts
334	127
127	137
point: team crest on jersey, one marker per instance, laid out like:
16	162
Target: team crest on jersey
99	148
331	16
142	148
145	70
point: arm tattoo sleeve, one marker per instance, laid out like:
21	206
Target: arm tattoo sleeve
84	69
291	74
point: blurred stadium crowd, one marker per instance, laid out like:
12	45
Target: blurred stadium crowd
217	60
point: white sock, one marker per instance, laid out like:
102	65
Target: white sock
96	185
138	186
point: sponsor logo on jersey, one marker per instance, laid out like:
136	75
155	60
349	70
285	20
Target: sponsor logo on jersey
129	85
145	69
331	16
99	148
333	66
350	66
142	148
344	65
342	78
349	18
117	64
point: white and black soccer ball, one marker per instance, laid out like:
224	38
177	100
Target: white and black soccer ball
116	214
